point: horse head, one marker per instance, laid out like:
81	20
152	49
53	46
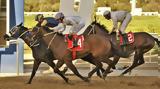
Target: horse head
18	31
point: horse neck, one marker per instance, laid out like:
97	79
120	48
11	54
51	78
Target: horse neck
57	38
26	41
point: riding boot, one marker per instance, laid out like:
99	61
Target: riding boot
124	39
70	37
75	42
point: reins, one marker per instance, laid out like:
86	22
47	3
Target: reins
47	34
51	40
92	29
23	34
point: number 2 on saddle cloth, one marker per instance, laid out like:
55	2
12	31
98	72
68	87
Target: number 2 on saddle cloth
130	38
79	47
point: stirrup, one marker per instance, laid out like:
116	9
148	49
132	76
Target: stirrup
125	40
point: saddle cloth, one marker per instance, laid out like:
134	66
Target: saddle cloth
130	38
80	41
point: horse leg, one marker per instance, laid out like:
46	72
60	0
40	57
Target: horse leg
111	64
74	70
107	71
35	67
137	58
89	58
56	70
59	64
98	65
141	60
115	61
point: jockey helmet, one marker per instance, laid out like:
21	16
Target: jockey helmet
38	17
106	13
59	15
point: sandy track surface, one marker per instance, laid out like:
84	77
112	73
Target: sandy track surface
52	82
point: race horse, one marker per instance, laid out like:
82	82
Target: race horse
94	44
39	51
142	44
60	51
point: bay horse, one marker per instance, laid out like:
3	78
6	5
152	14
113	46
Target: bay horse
39	50
94	44
142	44
20	30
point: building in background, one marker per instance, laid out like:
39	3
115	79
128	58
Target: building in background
135	11
3	14
11	55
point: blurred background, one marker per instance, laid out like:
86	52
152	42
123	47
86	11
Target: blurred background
145	12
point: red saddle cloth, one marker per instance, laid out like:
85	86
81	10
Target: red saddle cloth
130	37
80	39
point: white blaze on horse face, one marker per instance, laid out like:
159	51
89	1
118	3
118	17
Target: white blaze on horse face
85	10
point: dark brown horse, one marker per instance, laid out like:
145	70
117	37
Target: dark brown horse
39	49
94	44
143	43
20	31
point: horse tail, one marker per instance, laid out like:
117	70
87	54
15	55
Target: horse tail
157	41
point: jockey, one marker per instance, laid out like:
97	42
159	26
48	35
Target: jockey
123	17
76	22
48	21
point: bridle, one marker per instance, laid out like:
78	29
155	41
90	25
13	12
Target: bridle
25	33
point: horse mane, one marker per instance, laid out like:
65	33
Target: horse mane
47	29
103	28
24	28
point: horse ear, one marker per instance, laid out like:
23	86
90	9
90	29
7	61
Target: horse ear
20	24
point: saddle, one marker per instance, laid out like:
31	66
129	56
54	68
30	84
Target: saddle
125	39
70	39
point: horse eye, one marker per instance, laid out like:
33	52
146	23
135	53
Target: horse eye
13	31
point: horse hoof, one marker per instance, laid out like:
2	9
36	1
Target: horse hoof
28	83
100	76
67	80
86	80
121	75
104	77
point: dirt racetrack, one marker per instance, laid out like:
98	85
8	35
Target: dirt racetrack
52	82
